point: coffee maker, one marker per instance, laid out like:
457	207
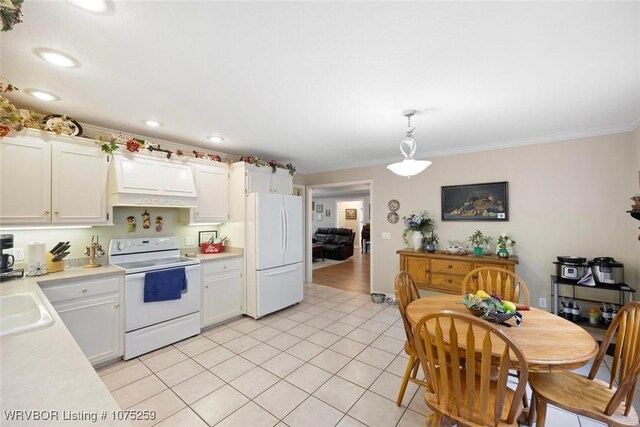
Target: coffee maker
6	242
6	266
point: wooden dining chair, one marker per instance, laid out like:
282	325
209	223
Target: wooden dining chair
588	396
496	280
407	292
465	389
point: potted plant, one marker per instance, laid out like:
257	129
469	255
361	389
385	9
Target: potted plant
478	240
420	223
504	243
431	241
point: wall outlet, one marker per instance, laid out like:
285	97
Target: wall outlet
542	303
190	241
386	236
18	254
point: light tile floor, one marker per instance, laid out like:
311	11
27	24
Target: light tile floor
334	359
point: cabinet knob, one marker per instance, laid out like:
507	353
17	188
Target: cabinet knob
46	212
84	291
449	280
206	287
57	212
116	306
449	266
224	266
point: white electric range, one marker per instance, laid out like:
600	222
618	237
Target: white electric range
151	325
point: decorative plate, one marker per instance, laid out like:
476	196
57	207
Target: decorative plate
66	125
393	205
392	217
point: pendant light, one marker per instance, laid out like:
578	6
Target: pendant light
409	166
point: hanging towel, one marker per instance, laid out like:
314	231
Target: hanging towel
164	285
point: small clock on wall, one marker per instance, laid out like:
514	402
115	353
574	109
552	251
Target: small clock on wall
393	205
392	217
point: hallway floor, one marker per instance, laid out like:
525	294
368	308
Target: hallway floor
354	276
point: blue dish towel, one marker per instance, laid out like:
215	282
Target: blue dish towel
164	285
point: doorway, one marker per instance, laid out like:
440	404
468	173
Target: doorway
338	205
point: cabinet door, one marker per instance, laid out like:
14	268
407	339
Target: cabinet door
418	267
95	324
78	184
222	297
25	183
213	194
281	183
259	181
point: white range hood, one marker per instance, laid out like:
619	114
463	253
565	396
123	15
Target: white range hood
147	181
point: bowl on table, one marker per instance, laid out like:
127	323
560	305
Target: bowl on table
454	249
494	317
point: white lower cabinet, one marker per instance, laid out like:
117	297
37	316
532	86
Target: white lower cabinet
222	290
92	311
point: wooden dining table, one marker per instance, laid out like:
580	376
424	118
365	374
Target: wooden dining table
548	342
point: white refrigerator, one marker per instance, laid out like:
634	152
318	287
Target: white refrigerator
274	253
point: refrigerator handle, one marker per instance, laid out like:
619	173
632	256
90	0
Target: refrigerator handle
286	234
284	231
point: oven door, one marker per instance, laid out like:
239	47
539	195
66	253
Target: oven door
140	314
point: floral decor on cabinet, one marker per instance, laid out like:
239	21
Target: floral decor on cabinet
504	243
420	224
16	119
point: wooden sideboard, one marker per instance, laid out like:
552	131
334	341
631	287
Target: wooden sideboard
443	272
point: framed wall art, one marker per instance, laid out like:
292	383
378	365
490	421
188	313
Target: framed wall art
328	212
319	208
351	214
207	236
476	202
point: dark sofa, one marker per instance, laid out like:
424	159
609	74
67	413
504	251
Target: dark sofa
338	242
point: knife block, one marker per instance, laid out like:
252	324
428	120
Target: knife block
54	267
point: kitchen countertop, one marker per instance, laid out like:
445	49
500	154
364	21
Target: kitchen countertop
45	370
229	253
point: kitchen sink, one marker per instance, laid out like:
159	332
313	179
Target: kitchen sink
22	312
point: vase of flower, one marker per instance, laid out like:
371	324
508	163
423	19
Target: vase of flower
504	243
416	240
479	240
420	224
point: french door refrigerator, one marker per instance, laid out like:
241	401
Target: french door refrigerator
274	252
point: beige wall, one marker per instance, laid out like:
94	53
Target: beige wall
565	198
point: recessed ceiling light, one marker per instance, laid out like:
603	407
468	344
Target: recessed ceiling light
151	123
215	138
56	57
96	6
44	96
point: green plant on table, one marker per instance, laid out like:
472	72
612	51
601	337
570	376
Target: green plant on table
478	239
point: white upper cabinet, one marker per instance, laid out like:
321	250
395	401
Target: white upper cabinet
25	181
51	179
263	179
282	182
212	186
78	184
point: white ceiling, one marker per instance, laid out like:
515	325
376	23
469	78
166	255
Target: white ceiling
323	84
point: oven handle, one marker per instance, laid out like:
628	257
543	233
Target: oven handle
187	269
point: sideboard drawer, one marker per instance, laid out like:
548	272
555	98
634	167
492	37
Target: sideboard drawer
447	280
450	267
